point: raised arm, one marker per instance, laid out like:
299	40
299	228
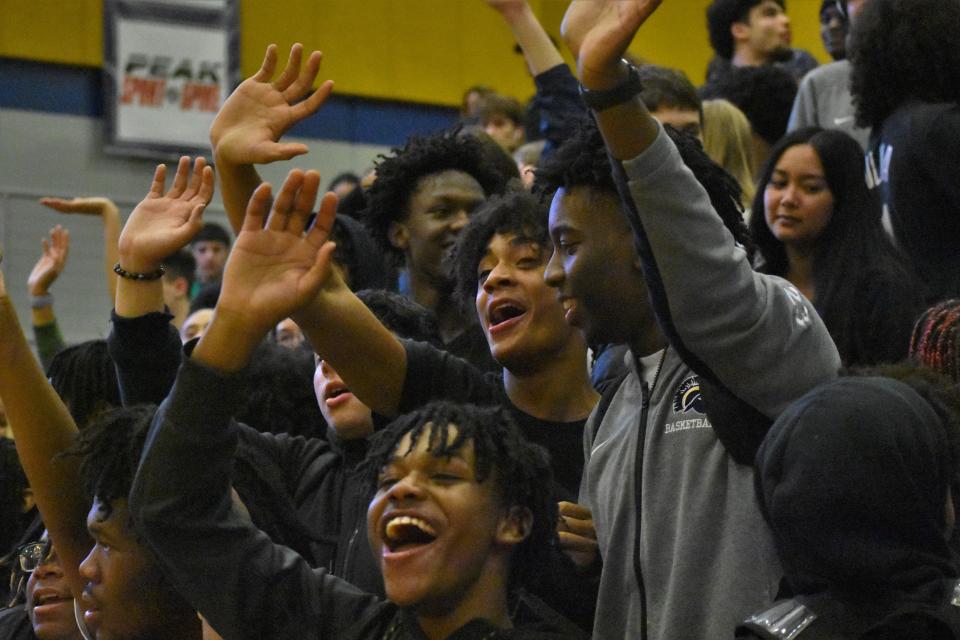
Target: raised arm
143	344
181	496
160	225
110	215
598	33
538	50
557	98
42	428
367	357
274	269
45	272
249	125
754	334
246	132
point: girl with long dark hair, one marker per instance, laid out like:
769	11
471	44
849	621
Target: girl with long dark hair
816	224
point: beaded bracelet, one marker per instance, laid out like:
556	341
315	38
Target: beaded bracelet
153	275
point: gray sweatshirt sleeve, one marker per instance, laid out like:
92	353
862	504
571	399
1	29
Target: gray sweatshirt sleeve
804	113
757	333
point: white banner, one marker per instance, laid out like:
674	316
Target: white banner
169	66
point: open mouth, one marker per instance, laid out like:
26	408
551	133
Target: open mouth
49	597
504	312
337	396
406	532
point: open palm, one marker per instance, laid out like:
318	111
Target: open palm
276	267
51	263
163	223
598	33
249	125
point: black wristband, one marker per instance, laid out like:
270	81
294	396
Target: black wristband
153	275
598	100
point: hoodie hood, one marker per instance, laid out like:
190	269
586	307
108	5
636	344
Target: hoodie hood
853	480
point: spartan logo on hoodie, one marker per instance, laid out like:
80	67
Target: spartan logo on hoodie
688	408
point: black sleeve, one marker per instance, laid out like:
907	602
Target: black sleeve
146	351
433	374
181	504
559	104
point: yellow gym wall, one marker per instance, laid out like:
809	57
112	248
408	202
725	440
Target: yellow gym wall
413	50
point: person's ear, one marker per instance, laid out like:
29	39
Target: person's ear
181	286
515	525
398	235
740	30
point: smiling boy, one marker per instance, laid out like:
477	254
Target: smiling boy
449	519
649	250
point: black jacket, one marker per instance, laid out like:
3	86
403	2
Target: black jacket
304	493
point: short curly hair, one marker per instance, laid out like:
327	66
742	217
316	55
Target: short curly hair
903	50
721	14
517	212
399	174
582	161
765	94
520	469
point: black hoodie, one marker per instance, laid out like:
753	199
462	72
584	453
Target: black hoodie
853	479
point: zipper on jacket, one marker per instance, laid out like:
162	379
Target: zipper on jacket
349	552
638	487
645	392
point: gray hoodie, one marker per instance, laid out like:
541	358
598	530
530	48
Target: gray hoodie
679	527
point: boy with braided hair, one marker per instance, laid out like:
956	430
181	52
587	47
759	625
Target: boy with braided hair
449	516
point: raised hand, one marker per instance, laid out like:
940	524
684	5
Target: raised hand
275	267
51	262
88	206
249	125
164	223
598	33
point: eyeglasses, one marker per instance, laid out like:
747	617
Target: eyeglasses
34	554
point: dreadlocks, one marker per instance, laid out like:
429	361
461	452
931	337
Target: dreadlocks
85	378
109	450
521	470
